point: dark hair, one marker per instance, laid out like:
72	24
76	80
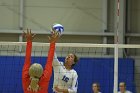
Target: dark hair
98	85
76	59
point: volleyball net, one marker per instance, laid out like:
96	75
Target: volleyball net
107	64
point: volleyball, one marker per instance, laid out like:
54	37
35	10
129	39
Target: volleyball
59	28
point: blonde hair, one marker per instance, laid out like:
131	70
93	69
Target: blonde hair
35	72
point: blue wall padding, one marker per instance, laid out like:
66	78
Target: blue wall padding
90	70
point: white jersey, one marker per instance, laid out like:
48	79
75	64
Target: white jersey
63	78
125	91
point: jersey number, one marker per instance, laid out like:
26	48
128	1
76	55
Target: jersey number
66	79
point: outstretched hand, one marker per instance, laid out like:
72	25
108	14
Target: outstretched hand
54	36
28	35
57	89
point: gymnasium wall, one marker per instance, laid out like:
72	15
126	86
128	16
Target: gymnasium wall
89	70
134	13
77	16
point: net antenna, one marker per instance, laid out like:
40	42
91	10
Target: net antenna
116	49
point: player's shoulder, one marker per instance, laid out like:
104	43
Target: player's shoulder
74	72
61	63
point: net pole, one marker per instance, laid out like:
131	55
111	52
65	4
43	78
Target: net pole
115	90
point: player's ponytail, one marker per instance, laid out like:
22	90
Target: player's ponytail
35	72
34	84
76	59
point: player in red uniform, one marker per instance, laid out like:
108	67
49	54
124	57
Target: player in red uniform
34	79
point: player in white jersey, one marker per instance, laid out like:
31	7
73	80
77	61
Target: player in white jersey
96	88
65	77
122	87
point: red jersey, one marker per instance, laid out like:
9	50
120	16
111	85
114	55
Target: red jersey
45	78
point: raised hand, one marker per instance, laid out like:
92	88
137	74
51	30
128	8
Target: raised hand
54	36
28	35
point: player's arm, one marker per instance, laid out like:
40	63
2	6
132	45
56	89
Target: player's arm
55	60
61	90
29	36
27	58
48	67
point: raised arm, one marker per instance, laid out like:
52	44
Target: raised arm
25	70
48	67
55	60
27	58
